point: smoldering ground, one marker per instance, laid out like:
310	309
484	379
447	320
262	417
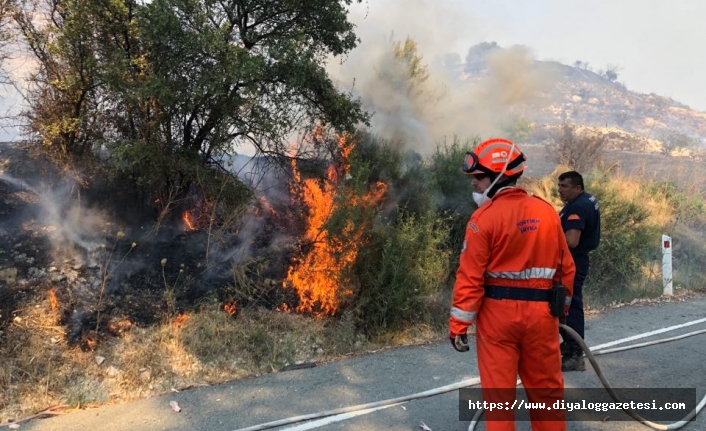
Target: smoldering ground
57	237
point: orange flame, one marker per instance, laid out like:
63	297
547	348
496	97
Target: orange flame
318	275
53	300
181	319
116	328
199	215
231	307
89	341
188	222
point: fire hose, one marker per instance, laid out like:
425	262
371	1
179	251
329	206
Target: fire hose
475	381
591	357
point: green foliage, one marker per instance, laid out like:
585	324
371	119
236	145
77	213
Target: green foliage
629	239
255	72
453	191
163	87
377	159
630	232
416	74
63	103
398	269
687	206
404	253
225	191
518	129
445	168
408	178
402	90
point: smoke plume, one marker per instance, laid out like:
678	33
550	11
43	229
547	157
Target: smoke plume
448	101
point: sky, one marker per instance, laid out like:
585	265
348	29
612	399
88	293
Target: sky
656	45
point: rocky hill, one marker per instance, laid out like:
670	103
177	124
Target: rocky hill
596	99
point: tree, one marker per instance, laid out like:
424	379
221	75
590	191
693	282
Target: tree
477	55
65	93
234	71
402	96
611	73
6	35
579	151
674	141
403	70
167	86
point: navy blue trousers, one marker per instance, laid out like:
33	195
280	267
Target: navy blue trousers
575	318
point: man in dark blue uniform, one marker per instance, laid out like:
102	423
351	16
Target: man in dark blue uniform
581	221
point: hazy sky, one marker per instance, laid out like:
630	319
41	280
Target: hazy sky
657	45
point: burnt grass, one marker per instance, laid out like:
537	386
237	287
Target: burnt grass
118	273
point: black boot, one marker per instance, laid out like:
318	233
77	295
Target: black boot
573	361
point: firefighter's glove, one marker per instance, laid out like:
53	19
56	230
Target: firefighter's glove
459	342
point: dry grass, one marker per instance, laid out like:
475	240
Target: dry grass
39	369
628	187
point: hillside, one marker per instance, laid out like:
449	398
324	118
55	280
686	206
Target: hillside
597	99
588	98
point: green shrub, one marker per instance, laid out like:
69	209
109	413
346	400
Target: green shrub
630	232
453	194
409	186
629	241
687	207
403	243
399	269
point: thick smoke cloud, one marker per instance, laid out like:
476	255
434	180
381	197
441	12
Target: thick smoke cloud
450	102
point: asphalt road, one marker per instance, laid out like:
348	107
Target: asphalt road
407	371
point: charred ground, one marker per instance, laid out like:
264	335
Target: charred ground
104	271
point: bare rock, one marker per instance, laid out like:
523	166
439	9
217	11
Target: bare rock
8	275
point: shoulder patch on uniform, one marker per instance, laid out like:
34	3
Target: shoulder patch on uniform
473	227
574	217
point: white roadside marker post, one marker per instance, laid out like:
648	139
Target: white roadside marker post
667	264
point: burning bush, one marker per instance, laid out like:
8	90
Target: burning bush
379	259
329	249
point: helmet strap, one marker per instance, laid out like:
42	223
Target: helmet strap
490	192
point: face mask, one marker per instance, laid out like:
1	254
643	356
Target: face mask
482	198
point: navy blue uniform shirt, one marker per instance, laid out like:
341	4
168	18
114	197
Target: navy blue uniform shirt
584	214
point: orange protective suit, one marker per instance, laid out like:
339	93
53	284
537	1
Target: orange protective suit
514	241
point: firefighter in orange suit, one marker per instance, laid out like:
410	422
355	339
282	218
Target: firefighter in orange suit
513	254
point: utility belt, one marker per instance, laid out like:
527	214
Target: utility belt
555	297
519	293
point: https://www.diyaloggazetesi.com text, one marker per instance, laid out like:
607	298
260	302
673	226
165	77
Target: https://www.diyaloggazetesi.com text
575	404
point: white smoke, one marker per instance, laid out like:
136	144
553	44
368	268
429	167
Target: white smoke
449	103
74	231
